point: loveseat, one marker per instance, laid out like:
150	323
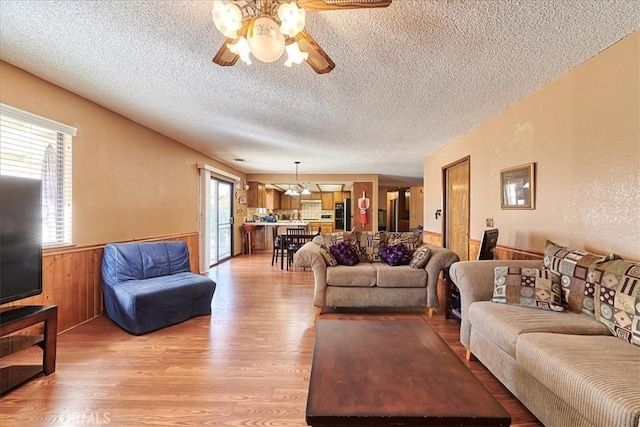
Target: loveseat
370	281
546	329
148	286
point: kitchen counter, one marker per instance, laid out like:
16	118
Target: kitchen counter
280	223
263	235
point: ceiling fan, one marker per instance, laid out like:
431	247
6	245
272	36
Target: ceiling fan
267	28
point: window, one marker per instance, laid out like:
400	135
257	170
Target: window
35	147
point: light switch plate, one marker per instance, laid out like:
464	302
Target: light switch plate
489	222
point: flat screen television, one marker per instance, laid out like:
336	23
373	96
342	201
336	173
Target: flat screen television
488	244
20	238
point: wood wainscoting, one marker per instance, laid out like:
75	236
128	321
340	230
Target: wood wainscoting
432	238
504	252
71	280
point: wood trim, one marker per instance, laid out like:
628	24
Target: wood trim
432	238
71	280
504	252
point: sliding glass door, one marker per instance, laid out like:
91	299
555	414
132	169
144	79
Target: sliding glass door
220	221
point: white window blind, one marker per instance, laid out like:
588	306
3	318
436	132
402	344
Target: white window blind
36	147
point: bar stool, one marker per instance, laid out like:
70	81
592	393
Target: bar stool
248	230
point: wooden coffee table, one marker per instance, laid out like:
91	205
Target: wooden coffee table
393	373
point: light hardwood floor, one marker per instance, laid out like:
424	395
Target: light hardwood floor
247	364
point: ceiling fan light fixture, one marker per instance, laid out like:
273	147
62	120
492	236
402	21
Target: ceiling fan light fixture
292	18
227	18
241	48
265	39
305	192
294	55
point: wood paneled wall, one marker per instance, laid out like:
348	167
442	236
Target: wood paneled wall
432	238
502	252
71	280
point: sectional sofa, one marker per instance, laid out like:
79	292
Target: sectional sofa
562	334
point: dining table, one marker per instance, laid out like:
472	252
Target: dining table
284	244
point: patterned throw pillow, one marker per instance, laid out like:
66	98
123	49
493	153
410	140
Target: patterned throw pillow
420	257
617	298
573	268
395	255
328	257
369	244
344	254
528	287
409	239
331	239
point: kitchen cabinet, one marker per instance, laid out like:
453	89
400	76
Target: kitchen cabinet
290	202
316	196
256	195
327	201
327	227
274	200
338	196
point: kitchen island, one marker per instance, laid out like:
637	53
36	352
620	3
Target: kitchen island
263	235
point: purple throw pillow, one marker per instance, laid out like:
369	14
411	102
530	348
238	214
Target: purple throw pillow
395	255
344	254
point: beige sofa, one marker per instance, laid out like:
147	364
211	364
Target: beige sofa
565	367
371	282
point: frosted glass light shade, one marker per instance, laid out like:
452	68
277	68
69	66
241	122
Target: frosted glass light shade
294	55
291	18
306	192
227	17
265	39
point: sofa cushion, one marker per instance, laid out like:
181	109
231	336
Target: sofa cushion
420	257
596	375
529	287
139	261
503	323
617	302
344	254
409	239
400	276
395	255
359	275
573	267
327	256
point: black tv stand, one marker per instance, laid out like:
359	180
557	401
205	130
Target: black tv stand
13	319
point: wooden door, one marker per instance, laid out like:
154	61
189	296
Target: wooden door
456	180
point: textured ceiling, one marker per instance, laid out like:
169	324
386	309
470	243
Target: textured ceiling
408	79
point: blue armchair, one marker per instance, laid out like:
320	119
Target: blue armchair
148	286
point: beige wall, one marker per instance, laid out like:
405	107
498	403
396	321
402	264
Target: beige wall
583	132
129	182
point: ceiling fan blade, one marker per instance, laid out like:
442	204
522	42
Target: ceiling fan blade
224	56
318	59
320	5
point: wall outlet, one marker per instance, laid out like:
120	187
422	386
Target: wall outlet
489	222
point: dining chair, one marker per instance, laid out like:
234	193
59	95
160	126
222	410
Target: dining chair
277	245
295	242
